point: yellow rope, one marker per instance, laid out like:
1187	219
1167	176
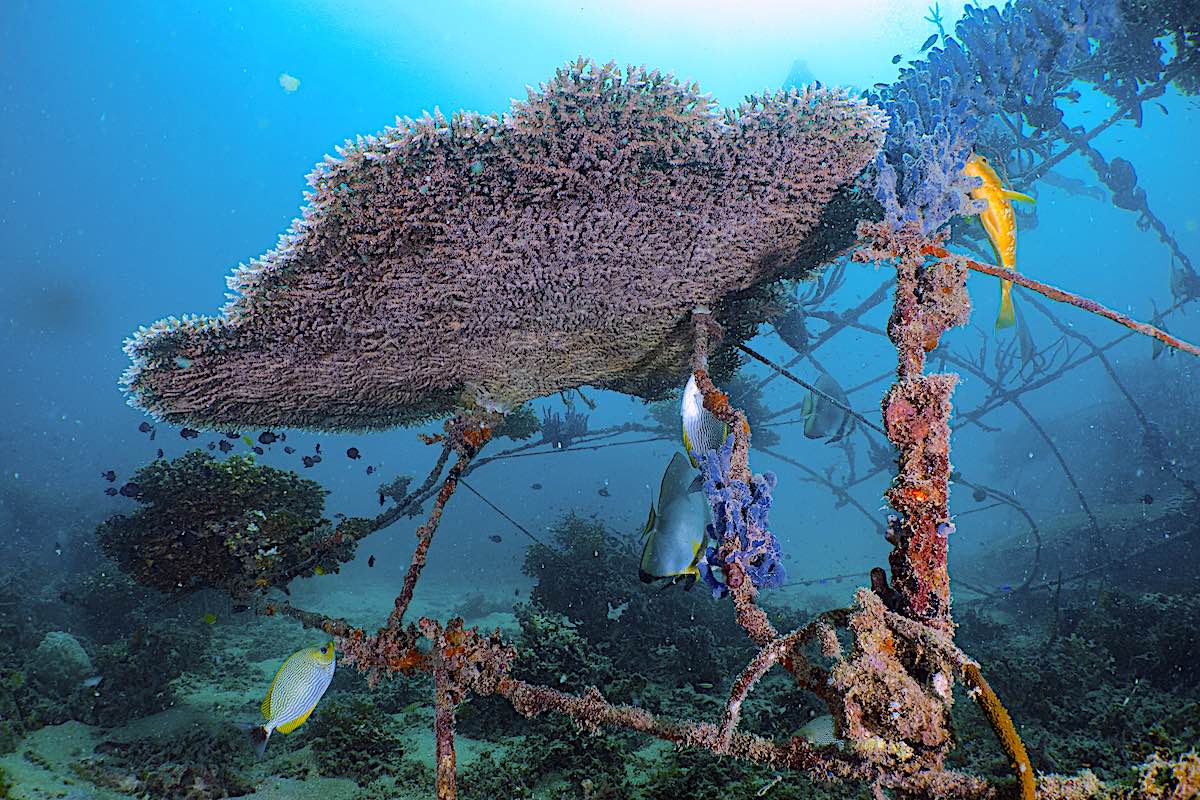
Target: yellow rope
1002	724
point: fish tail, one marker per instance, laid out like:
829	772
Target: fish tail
1008	315
258	737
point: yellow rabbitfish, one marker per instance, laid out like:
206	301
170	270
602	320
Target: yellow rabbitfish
702	431
1001	225
298	686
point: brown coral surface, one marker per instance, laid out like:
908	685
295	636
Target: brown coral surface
495	259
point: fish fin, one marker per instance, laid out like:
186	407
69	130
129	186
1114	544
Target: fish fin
1024	198
297	722
648	538
807	406
1008	316
697	484
687	446
650	519
258	739
690	580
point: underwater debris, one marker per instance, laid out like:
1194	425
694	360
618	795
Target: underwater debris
493	321
289	83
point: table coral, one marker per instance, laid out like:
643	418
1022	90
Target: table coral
497	259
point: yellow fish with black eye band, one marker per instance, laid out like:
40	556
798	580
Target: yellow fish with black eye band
1001	225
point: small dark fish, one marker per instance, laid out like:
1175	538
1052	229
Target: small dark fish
232	435
1006	588
929	42
516	592
57	549
371	561
259	451
225	446
289	449
240	608
381	498
317	448
1147	499
160	453
979	495
352	452
308	462
266	437
896	59
495	537
603	491
1163	108
212	445
111	491
316	459
535	486
145	427
881	86
189	433
370	469
109	475
131	489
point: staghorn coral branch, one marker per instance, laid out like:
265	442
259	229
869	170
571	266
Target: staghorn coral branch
1060	296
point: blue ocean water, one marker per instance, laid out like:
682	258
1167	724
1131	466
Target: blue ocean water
148	149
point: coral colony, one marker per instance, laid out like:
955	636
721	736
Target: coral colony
562	244
617	230
560	431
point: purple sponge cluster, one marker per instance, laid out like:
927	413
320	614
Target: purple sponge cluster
1019	61
740	515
